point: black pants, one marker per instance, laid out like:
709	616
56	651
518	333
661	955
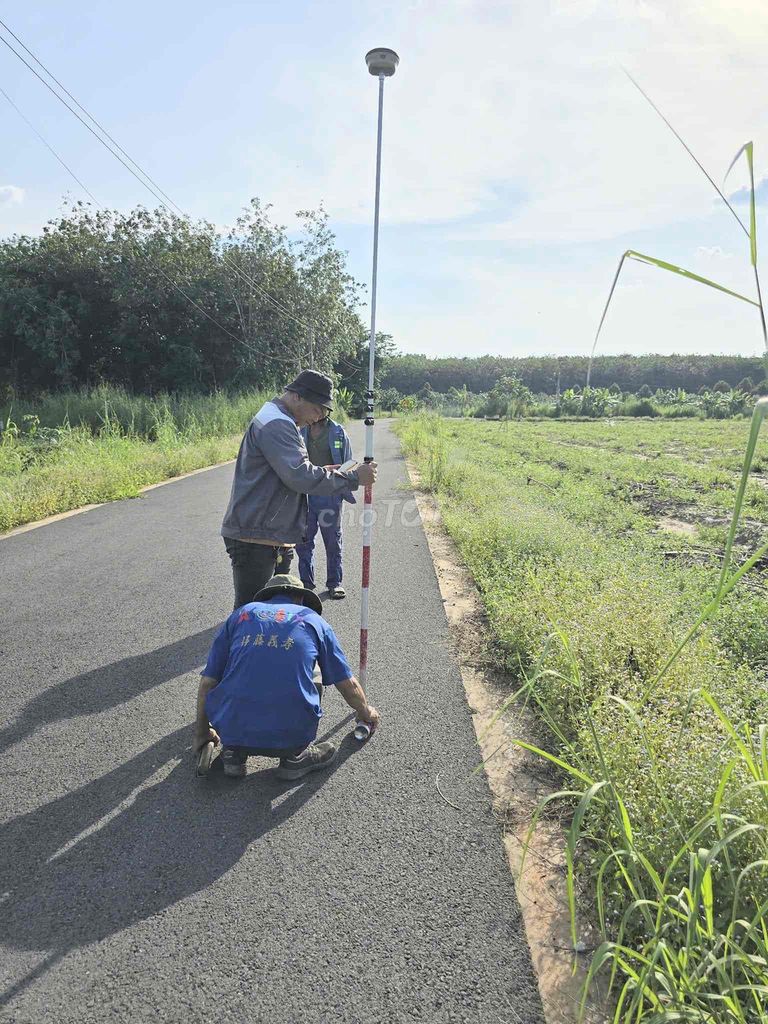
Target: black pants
253	565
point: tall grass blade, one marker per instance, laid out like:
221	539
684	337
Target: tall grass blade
758	415
662	265
688	150
748	150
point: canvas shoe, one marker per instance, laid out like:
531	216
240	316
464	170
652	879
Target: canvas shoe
316	757
337	593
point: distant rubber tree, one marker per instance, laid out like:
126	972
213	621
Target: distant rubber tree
389	398
644	392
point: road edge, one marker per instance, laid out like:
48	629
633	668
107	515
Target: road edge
37	523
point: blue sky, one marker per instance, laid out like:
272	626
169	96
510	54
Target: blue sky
519	162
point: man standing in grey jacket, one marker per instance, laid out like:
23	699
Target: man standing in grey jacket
267	512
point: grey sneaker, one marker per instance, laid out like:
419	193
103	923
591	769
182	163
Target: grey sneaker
316	757
234	763
337	593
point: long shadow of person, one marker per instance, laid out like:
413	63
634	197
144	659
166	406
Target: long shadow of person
108	686
124	847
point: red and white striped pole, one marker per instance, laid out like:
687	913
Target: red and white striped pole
382	63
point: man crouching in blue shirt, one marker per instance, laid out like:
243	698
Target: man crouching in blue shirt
257	694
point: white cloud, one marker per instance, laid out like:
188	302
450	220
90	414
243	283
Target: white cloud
11	194
531	98
712	252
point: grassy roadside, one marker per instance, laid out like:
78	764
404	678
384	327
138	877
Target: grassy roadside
84	448
668	783
90	470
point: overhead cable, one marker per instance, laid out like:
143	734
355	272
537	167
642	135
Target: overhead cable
136	250
139	173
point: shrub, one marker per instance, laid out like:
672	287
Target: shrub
635	407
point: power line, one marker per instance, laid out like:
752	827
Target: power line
149	187
66	167
140	174
136	250
88	115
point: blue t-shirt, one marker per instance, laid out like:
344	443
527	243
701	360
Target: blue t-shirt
264	656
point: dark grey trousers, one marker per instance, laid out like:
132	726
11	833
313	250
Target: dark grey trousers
253	565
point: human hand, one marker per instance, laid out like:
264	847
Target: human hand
371	717
366	474
201	738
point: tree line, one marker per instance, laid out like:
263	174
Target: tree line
550	375
153	302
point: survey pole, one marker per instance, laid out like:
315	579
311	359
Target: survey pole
382	63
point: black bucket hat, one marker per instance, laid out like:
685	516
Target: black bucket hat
290	585
313	386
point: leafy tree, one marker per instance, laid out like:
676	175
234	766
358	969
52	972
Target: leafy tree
151	301
389	398
508	397
644	391
722	386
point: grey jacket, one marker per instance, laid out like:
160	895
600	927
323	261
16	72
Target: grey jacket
273	476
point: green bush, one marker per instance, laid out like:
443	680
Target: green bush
637	407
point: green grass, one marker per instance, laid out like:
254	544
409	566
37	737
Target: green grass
81	448
558	524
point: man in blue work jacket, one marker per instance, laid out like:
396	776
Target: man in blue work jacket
257	693
327	445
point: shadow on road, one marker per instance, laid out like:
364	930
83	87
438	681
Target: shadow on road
122	848
108	686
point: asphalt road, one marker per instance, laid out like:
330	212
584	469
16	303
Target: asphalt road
132	891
